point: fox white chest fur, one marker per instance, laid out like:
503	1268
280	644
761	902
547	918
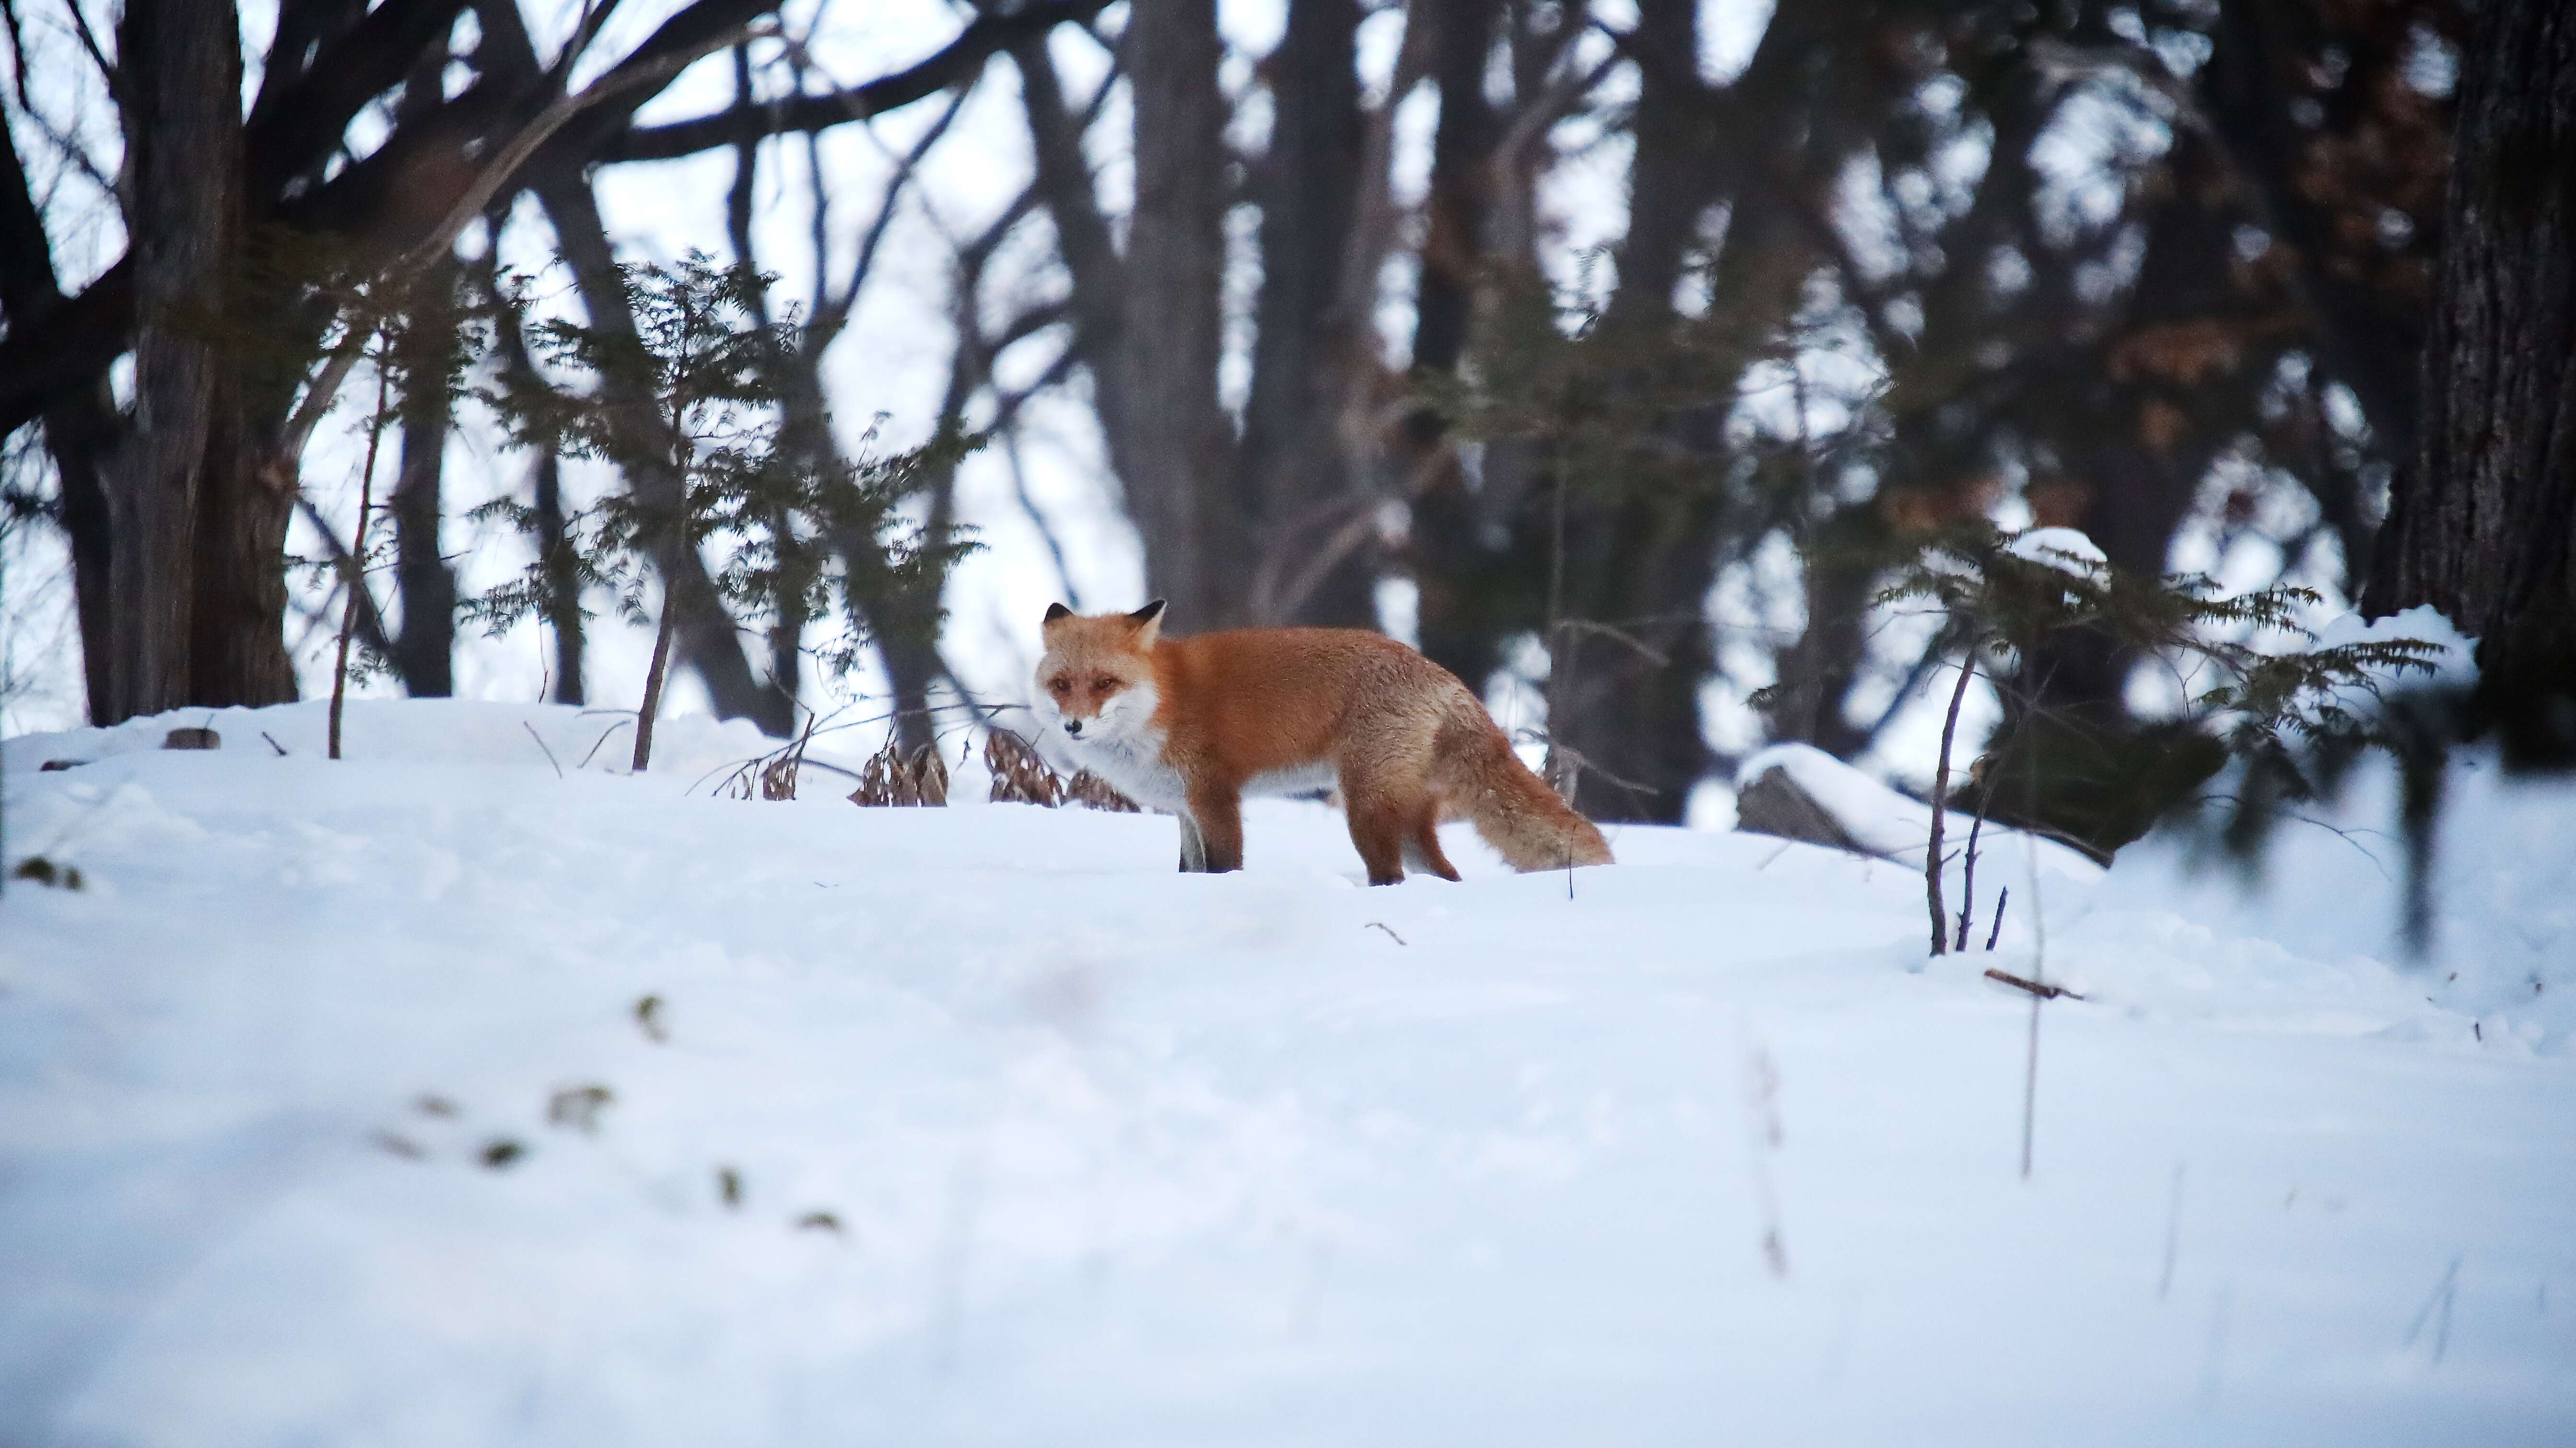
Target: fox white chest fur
1130	758
1121	746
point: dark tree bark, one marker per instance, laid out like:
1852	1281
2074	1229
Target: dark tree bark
1179	458
424	653
2484	526
81	430
1462	149
1456	542
182	60
1669	181
1312	518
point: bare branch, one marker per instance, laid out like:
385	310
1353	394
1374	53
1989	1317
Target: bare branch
953	64
478	196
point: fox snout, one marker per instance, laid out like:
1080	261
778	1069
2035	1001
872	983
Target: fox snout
1073	727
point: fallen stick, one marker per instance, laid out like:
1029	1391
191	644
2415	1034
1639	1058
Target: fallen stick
2044	992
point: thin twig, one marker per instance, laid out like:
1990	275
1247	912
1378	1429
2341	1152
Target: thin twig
602	739
541	744
2041	989
1968	867
1940	794
358	556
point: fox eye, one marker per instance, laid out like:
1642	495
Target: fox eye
1103	686
1057	686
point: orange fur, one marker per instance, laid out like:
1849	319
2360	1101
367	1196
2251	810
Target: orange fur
1401	738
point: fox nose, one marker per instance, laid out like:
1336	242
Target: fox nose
1073	727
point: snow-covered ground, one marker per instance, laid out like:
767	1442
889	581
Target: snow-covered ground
1037	1142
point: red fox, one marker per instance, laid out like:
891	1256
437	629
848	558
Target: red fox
1189	725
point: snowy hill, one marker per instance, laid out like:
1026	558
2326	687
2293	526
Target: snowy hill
429	1098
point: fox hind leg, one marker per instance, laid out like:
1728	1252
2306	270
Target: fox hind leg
1392	828
1379	835
1194	859
1423	851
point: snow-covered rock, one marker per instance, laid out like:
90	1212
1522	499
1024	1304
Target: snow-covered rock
1799	792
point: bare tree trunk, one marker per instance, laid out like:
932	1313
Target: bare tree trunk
81	432
563	581
424	653
1669	184
1940	804
654	674
354	568
1313	519
246	497
1643	565
182	65
1460	568
2484	526
1179	466
82	435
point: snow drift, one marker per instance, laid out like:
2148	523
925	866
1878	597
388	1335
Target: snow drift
430	1098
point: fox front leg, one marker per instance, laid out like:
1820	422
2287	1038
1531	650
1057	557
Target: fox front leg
1193	848
1216	820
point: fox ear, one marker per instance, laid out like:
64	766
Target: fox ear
1056	611
1149	619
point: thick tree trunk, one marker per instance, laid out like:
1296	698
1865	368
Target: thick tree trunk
82	435
244	500
2484	526
1460	567
81	431
182	64
424	653
1313	519
1179	467
1668	182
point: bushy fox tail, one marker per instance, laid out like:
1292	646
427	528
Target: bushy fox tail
1518	814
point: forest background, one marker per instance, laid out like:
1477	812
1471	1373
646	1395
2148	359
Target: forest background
1618	354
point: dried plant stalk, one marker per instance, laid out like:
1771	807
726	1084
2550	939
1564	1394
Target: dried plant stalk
1092	792
1019	775
893	778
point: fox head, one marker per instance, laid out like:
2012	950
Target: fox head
1096	681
